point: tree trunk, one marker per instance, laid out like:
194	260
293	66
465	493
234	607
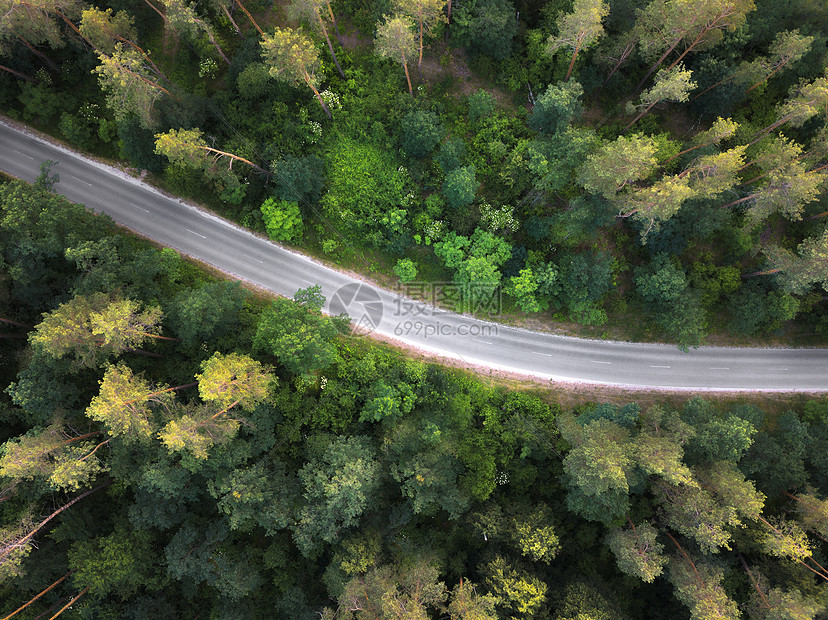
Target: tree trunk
75	598
22	76
232	21
318	96
632	122
656	65
407	77
709	88
217	46
49	62
155	8
250	17
36	596
736	202
624	55
330	46
10	322
572	63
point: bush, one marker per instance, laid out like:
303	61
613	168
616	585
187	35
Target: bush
282	220
485	27
421	132
481	105
459	187
406	270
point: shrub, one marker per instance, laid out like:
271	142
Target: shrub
282	220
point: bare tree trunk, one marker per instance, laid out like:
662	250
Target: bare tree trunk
36	596
572	63
318	97
632	122
22	76
49	62
250	17
216	45
330	46
65	607
407	77
232	21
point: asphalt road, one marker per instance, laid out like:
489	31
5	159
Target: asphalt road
245	256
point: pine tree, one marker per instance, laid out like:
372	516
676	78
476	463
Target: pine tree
291	57
579	30
426	14
396	40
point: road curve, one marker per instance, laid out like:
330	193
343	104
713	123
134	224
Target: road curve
243	255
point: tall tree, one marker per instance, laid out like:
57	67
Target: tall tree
655	203
313	12
396	40
425	13
670	85
182	17
805	101
127	80
615	165
637	551
801	271
579	29
292	57
664	25
699	586
34	22
187	147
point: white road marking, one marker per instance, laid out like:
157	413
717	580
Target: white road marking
137	207
659	366
482	341
82	181
312	283
718	368
597	362
539	353
785	369
196	234
23	154
255	259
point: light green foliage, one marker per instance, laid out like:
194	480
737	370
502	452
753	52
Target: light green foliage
694	512
637	551
339	487
729	486
670	85
94	326
409	589
476	259
580	29
699	586
517	591
460	186
365	189
105	28
556	108
233	379
769	603
597	467
523	288
310	297
116	565
386	403
814	513
426	13
396	40
282	220
52	455
291	57
196	432
421	132
803	270
406	270
662	456
656	203
711	175
534	535
466	604
299	338
786	49
783	538
806	101
617	164
130	85
124	403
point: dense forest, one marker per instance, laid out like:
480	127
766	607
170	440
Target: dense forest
177	447
174	445
599	161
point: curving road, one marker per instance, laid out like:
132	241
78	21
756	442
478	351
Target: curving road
243	255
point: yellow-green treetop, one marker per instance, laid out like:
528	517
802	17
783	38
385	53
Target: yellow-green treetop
579	29
396	40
